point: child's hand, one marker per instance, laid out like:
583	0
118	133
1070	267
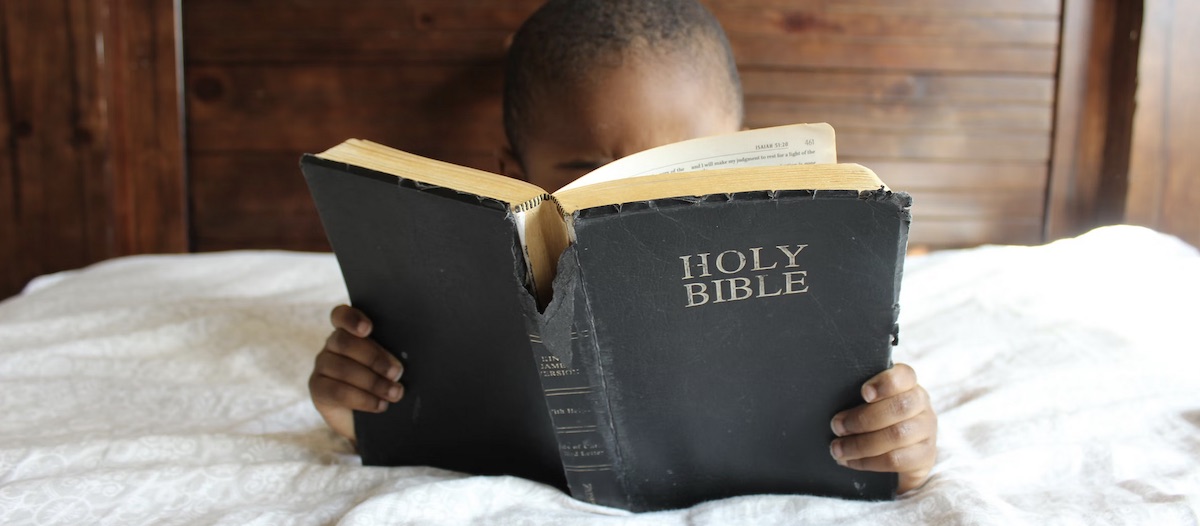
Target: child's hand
353	372
895	431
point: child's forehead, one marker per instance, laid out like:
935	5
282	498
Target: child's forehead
640	85
638	105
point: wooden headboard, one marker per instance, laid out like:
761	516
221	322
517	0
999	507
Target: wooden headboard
154	125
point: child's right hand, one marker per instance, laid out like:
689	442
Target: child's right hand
353	372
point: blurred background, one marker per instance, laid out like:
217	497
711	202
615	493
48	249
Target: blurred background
146	126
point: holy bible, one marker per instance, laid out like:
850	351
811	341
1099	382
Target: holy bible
648	337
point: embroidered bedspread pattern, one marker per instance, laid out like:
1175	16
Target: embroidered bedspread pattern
172	390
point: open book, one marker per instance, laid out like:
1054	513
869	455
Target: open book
677	326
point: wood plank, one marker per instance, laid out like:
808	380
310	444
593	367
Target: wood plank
472	15
416	108
91	134
1113	180
802	51
46	166
73	80
1150	157
1093	117
1034	21
1164	191
1066	202
949	8
289	31
1021	8
252	201
303	46
827	21
807	84
224	18
282	18
853	144
143	108
749	50
902	116
11	277
1028	177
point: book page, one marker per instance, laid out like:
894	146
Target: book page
780	145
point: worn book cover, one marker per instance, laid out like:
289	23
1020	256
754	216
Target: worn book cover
441	276
700	332
711	340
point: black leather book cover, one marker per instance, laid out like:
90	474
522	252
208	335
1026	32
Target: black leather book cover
727	331
441	276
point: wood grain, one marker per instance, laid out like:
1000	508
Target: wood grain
91	144
49	144
909	86
1164	189
944	94
142	96
11	276
826	22
1094	114
906	117
417	108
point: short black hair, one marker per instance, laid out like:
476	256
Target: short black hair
566	40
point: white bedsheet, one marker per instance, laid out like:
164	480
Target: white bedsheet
171	390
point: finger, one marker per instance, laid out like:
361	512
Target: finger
366	352
912	462
328	391
357	375
351	319
340	419
903	434
914	479
891	382
881	413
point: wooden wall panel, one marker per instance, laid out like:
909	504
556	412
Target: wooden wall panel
89	135
1164	183
1091	146
944	97
144	111
951	101
422	76
1003	133
12	276
46	202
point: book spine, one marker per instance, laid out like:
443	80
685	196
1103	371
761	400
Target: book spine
578	412
563	342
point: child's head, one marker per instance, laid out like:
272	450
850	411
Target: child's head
590	81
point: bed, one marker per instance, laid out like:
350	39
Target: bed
172	390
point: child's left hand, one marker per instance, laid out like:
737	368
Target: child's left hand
895	431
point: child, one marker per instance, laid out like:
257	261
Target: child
588	82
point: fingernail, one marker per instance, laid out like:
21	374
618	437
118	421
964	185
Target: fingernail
839	428
394	393
381	405
868	393
363	328
394	373
835	450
